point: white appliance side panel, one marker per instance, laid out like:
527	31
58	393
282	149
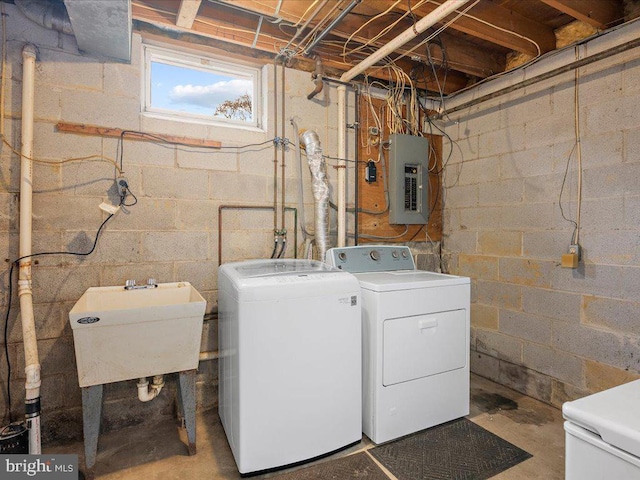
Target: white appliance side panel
300	379
228	385
588	457
370	307
423	345
397	410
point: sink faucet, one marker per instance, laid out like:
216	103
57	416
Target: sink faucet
131	284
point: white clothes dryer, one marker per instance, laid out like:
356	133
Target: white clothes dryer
602	435
415	338
290	374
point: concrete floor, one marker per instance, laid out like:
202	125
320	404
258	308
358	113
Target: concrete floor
161	452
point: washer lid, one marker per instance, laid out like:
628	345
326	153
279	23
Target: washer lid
266	268
612	414
407	280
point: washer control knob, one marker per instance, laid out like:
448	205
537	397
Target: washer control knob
404	254
375	255
342	256
394	254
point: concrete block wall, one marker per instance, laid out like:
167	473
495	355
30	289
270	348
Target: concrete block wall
171	234
553	333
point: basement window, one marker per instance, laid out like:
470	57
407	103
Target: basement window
187	87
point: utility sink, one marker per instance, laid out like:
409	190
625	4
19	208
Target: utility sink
125	334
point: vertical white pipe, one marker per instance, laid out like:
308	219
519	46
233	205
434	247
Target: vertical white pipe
32	368
342	154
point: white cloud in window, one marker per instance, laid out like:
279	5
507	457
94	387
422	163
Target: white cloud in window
210	95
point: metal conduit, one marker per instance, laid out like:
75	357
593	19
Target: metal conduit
331	26
306	23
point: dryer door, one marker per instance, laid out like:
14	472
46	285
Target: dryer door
423	345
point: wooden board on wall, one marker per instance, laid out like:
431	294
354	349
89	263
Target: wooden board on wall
371	196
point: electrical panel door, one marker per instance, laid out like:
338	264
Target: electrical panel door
408	179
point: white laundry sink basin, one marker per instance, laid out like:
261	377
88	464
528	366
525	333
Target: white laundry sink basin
124	334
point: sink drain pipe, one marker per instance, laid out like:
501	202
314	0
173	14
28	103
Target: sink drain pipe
148	392
25	293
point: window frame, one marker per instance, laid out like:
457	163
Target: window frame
205	63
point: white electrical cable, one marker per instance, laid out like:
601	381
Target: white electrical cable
440	30
576	237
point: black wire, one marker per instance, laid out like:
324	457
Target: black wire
417	232
283	248
564	179
6	346
413	17
135	199
178	145
10	288
171	142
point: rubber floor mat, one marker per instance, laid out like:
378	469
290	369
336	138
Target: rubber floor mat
459	450
358	465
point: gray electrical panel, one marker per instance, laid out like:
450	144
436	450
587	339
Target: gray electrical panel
408	179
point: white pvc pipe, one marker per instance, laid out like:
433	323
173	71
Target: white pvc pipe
32	364
342	165
147	393
438	14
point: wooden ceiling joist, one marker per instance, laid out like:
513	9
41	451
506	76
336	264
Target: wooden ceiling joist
463	55
241	30
598	13
187	13
474	46
494	24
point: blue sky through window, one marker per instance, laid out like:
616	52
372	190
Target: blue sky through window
193	91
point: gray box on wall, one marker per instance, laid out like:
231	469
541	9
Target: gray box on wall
408	179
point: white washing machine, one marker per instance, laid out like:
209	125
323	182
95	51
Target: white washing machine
415	337
290	367
602	435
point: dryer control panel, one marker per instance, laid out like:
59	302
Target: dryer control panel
371	258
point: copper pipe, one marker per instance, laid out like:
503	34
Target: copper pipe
283	189
254	207
275	145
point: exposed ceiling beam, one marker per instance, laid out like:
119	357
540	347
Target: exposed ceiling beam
463	55
222	24
221	47
409	34
493	23
290	10
227	29
600	13
187	13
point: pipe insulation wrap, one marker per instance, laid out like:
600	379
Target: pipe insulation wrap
320	188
